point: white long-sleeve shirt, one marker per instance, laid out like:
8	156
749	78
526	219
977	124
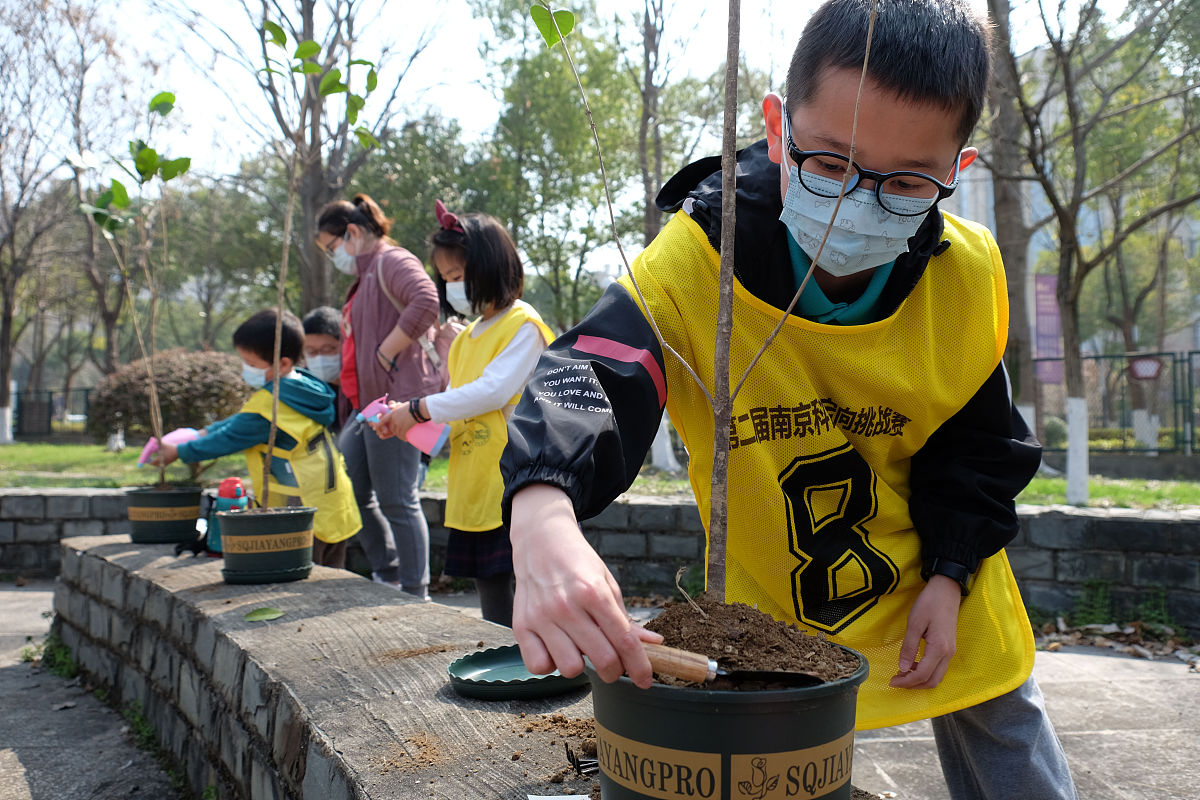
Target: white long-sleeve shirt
506	375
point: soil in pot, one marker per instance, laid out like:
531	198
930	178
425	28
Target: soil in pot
738	636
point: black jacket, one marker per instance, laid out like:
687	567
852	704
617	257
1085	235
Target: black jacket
963	480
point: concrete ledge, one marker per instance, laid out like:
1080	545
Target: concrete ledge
345	696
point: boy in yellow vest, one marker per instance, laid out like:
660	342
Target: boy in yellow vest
875	451
307	468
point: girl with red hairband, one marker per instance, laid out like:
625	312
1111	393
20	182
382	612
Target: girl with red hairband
479	274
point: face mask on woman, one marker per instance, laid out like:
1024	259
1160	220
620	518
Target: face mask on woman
456	296
327	368
254	376
342	261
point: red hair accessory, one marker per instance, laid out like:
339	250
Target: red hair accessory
446	219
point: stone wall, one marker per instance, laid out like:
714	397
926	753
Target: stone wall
645	540
343	697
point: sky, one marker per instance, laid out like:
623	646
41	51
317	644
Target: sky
449	76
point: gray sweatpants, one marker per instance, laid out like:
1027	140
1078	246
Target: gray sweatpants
394	535
1003	749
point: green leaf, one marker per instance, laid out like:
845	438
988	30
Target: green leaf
365	138
274	33
362	62
545	23
135	146
307	68
146	163
120	196
331	83
372	80
263	614
306	49
174	168
162	102
104	201
353	106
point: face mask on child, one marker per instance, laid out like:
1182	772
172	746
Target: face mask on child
254	376
342	261
866	235
456	296
327	368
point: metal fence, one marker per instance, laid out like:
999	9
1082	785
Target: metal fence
1140	403
1149	402
51	413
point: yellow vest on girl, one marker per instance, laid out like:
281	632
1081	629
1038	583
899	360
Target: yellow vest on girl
476	486
313	471
819	532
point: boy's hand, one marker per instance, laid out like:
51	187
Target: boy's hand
567	604
394	423
165	455
934	619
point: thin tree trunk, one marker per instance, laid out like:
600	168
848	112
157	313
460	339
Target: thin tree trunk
722	404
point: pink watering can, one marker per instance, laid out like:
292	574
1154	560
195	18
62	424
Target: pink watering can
176	437
428	437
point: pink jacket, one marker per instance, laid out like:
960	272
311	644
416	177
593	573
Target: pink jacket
372	317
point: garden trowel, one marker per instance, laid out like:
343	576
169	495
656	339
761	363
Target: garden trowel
699	668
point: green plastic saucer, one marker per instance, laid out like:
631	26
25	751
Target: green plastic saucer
499	674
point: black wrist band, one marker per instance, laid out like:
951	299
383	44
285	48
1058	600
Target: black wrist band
951	569
414	408
390	362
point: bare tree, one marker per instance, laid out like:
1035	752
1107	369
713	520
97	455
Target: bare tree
31	116
1075	92
311	134
82	50
1013	234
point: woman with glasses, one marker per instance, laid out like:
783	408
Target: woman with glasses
388	320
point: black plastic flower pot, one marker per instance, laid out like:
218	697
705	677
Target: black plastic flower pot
669	742
164	516
267	545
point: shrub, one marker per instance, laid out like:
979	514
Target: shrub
194	390
1056	433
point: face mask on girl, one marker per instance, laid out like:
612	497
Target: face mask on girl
864	236
254	376
456	296
327	368
342	261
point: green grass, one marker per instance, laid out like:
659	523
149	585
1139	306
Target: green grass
90	465
1116	493
32	464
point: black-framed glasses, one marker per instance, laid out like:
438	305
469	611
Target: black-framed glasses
903	193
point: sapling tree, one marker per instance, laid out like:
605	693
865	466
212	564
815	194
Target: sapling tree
554	26
301	71
115	212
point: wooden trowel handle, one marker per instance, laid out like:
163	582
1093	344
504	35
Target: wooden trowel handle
682	664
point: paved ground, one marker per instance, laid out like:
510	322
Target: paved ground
1131	728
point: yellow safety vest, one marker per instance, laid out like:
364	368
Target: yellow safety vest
475	485
313	472
819	532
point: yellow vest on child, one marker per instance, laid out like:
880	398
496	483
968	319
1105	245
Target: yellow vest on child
313	471
819	532
476	486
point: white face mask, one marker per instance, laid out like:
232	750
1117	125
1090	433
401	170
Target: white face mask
254	376
456	296
327	368
864	236
342	261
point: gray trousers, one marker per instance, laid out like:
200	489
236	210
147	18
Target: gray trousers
1003	749
394	535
